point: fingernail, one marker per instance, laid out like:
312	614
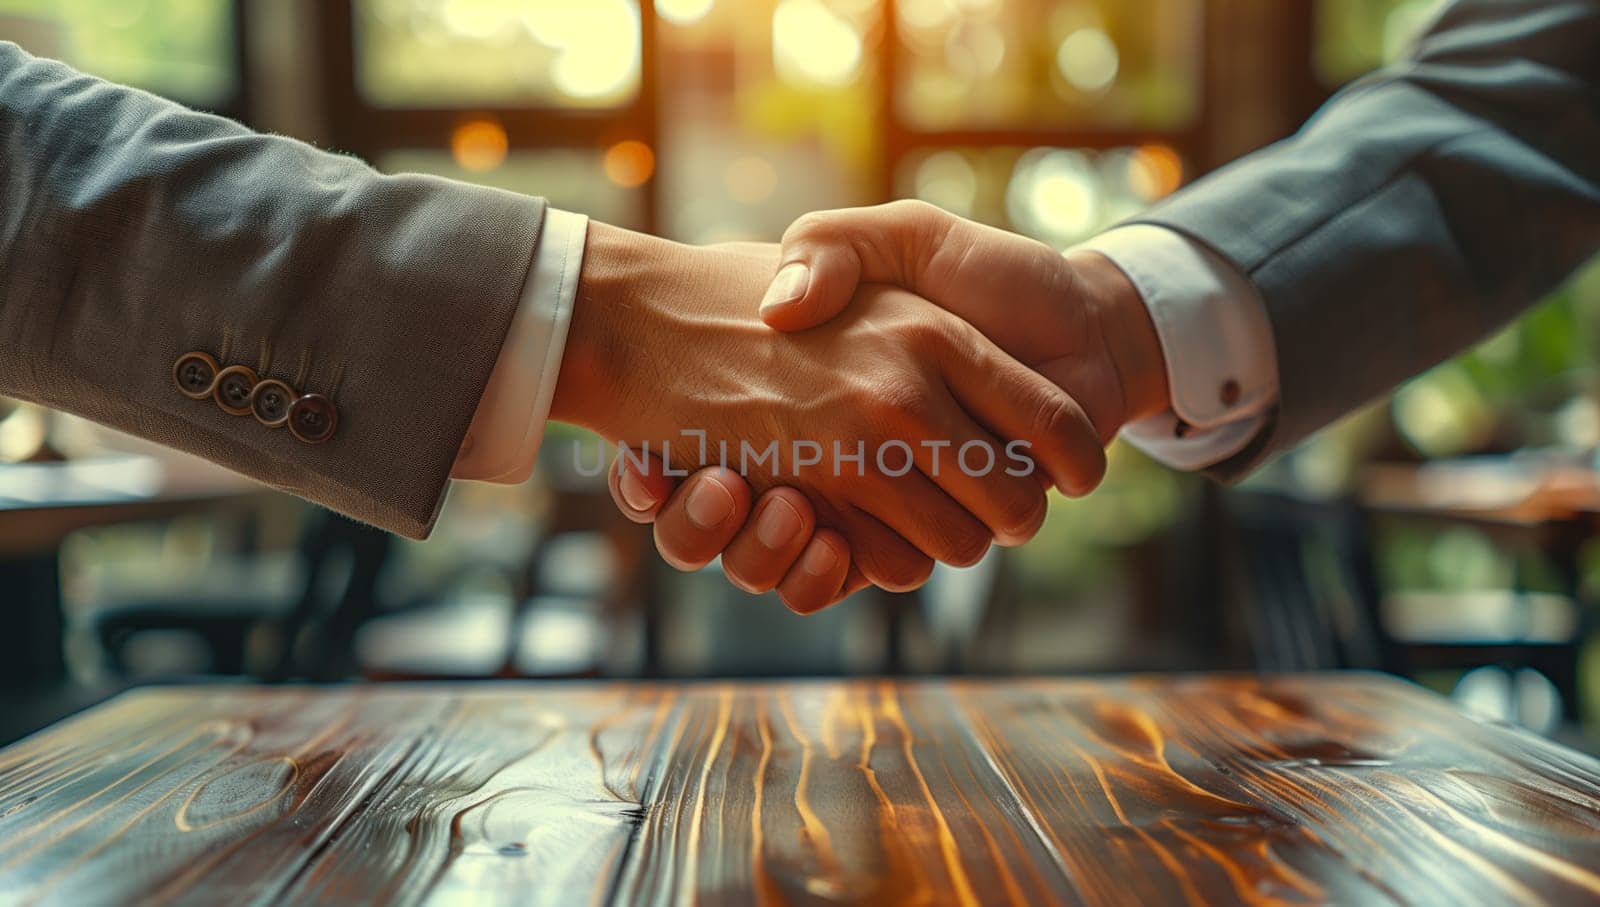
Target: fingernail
788	286
709	504
635	493
820	559
778	524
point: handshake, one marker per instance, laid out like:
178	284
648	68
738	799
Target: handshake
910	387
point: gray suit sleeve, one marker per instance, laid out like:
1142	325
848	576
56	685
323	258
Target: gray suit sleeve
133	231
1421	208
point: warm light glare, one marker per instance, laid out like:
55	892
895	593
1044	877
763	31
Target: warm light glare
1056	196
475	20
751	180
1065	203
925	14
946	179
1155	172
683	12
812	44
629	163
599	40
1088	59
975	51
479	145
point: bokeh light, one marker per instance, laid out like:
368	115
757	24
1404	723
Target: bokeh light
683	12
1155	171
812	44
1088	59
498	52
947	179
975	50
599	43
479	145
1055	195
630	163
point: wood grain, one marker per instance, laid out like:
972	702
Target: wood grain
1309	789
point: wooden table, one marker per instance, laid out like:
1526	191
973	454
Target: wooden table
1348	788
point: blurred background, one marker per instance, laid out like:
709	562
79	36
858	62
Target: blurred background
1446	534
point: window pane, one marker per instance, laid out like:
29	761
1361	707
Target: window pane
1355	37
1059	195
449	53
1107	63
575	180
768	111
183	49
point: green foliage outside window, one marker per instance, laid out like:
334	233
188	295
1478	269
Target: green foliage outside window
183	49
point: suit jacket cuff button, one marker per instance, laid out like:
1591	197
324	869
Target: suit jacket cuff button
234	386
195	374
313	418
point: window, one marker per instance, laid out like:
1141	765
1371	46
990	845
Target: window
453	53
183	49
1355	37
1048	63
1059	195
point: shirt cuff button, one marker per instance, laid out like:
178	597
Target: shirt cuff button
1230	392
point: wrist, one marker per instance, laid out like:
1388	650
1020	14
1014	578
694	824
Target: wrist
1132	344
615	263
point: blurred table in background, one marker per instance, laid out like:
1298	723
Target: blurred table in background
1347	788
1537	504
42	503
1495	491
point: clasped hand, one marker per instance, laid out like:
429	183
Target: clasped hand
898	329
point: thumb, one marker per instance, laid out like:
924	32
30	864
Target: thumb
814	283
828	254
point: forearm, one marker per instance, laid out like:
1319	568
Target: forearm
619	268
133	231
1420	210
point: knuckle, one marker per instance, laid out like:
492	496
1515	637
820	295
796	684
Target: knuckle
1055	416
930	331
814	225
913	209
906	403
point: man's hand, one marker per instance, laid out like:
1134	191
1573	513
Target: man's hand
663	340
779	547
1075	318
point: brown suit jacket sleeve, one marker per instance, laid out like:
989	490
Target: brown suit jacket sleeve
133	231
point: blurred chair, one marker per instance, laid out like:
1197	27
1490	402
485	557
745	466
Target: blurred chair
1312	598
309	604
1315	602
564	609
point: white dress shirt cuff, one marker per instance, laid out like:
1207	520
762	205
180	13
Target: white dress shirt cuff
1222	363
503	441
